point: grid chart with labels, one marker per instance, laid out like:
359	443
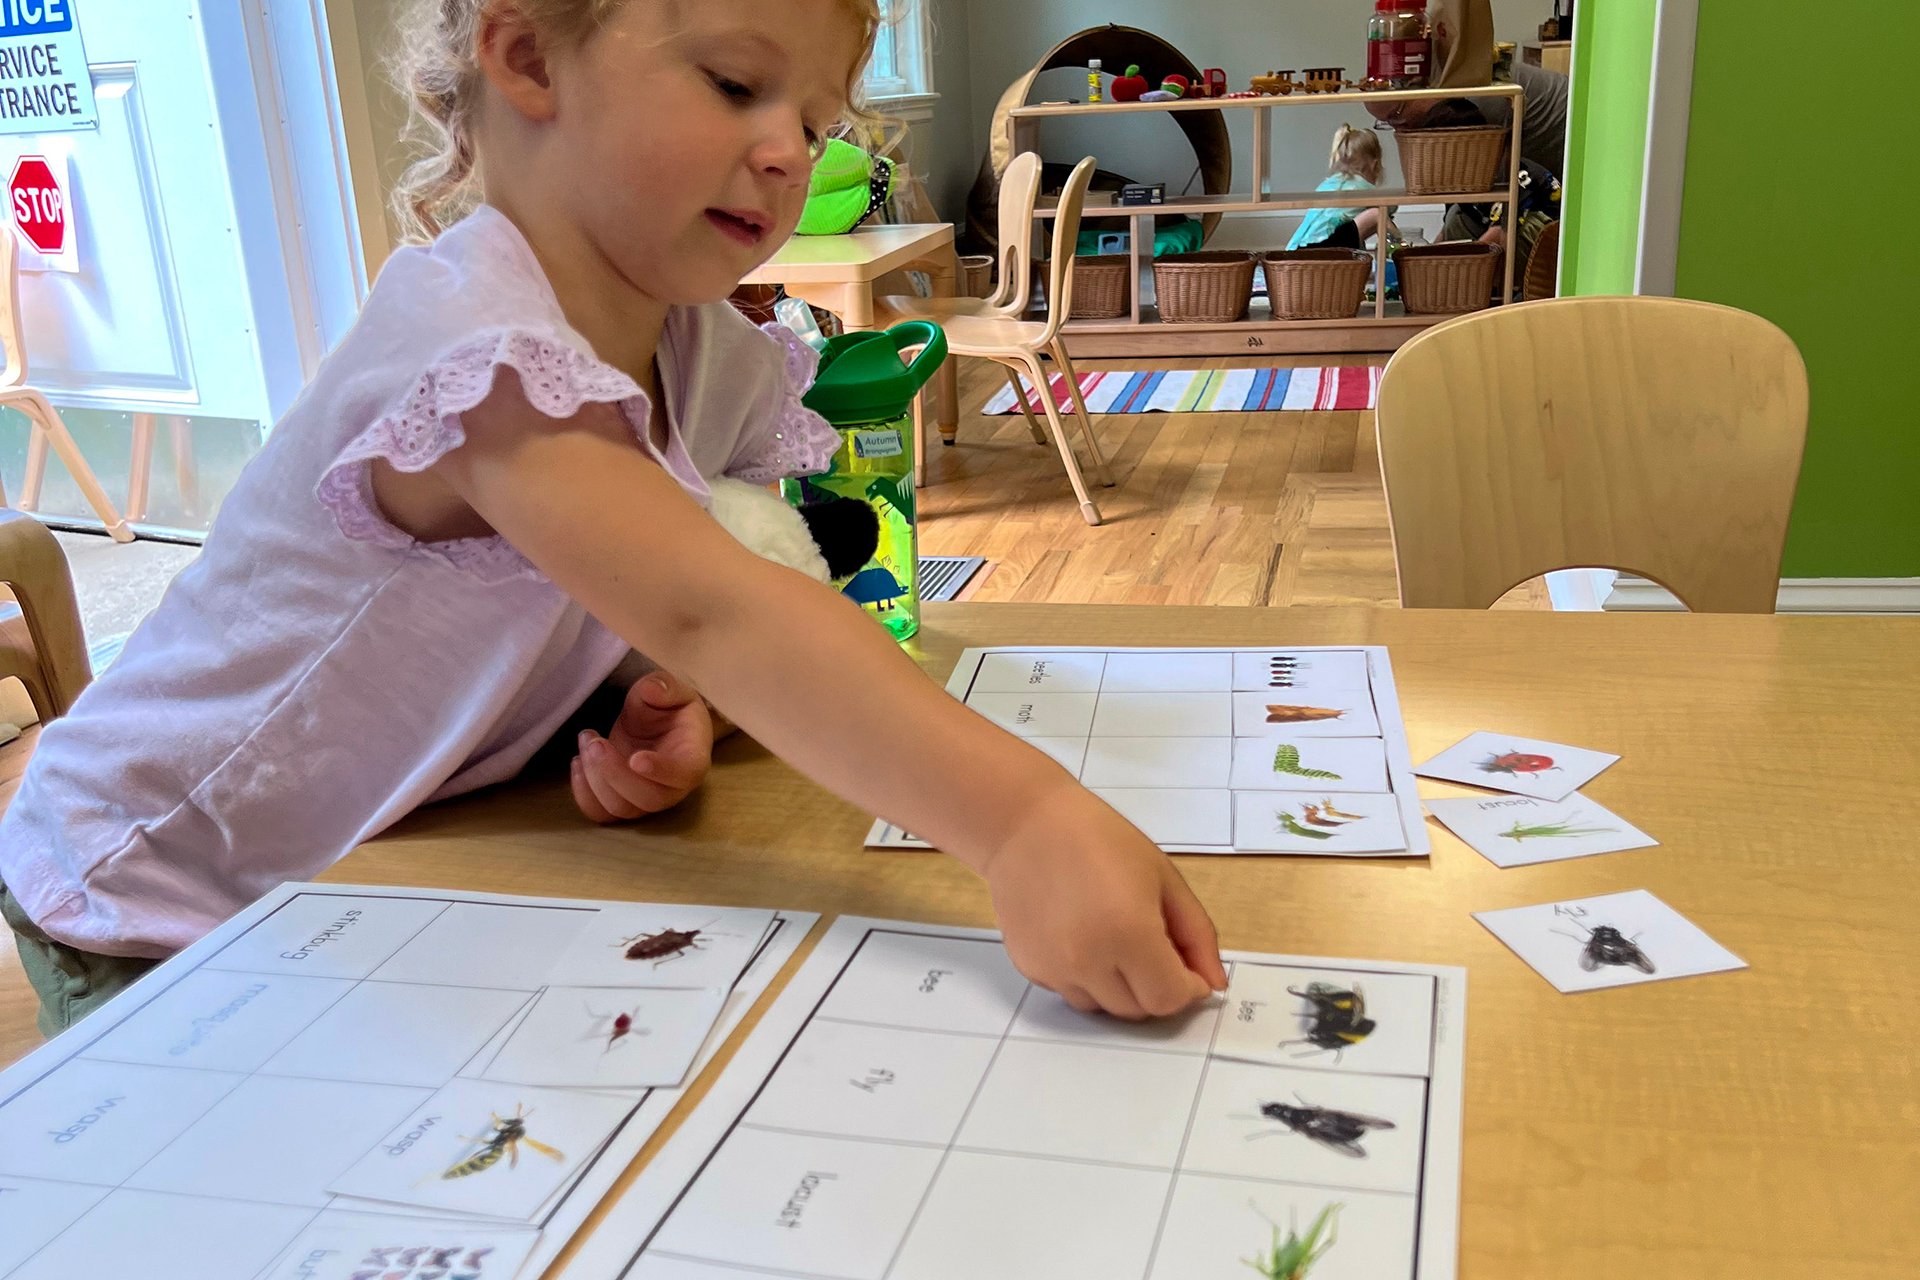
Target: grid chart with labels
1295	751
912	1109
204	1122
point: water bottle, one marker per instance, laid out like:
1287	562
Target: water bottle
865	389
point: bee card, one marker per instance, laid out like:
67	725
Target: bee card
1610	941
1524	766
654	944
497	1150
608	1038
352	1246
1517	831
1363	1019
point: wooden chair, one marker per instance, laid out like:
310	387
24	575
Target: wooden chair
1653	435
48	429
993	328
41	642
1543	265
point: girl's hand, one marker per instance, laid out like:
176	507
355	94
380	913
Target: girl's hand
658	752
1095	911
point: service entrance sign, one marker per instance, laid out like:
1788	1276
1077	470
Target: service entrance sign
45	86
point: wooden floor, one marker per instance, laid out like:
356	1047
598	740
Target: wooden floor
1208	508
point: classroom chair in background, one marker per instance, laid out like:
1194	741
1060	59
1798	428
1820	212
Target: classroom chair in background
994	328
1657	436
41	642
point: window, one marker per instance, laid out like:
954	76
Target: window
902	54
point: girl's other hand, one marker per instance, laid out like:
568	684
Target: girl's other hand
658	752
1092	909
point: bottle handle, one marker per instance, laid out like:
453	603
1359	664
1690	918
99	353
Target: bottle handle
932	341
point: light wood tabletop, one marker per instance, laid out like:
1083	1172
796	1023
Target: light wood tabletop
1753	1123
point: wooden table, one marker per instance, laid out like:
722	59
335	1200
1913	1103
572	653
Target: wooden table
837	274
1760	1123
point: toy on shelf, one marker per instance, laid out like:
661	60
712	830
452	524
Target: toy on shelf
1129	87
1327	80
1173	88
1276	84
1211	84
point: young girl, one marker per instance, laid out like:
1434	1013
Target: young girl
1355	165
494	488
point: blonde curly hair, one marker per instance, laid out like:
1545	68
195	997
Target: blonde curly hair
435	71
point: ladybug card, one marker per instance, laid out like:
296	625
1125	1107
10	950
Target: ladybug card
1524	766
1611	941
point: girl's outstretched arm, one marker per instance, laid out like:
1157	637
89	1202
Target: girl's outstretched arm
1089	907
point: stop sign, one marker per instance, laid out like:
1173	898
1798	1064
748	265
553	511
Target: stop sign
39	209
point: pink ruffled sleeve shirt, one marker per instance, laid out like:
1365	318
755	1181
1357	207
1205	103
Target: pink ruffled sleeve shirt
316	674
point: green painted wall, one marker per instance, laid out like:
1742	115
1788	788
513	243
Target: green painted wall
1799	205
1607	145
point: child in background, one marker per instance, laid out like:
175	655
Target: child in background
496	487
1355	165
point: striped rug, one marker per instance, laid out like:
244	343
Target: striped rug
1212	390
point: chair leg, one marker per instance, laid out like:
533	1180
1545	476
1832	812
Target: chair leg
180	436
48	421
1059	353
1032	367
36	465
1020	397
140	466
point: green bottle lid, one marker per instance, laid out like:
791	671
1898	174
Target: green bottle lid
863	377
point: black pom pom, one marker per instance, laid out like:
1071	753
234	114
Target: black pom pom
846	530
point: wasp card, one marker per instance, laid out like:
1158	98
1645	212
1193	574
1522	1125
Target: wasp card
1523	766
912	1108
1192	745
1611	941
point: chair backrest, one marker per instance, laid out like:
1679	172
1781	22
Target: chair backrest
1019	193
1066	235
15	373
1543	265
1653	435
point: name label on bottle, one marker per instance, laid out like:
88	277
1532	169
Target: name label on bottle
878	444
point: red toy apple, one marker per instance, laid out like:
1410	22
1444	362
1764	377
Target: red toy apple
1129	87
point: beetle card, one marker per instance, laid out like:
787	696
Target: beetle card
1610	941
1524	766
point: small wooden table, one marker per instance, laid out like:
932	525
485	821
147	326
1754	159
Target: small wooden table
837	274
1744	1124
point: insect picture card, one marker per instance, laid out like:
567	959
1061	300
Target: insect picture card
1523	766
1518	831
1300	671
1614	940
608	1037
498	1150
1332	713
1282	762
654	944
1334	823
1347	1019
364	1246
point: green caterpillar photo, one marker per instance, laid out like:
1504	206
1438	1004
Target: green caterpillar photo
1286	759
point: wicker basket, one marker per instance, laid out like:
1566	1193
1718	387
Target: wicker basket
1212	287
1316	284
1445	279
1100	287
976	275
1456	161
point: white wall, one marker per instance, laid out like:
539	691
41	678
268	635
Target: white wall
1003	38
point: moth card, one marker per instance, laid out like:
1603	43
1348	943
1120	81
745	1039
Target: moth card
1518	831
1283	763
608	1037
1300	670
1610	941
500	1150
1332	713
1360	1019
361	1246
654	944
1524	766
1333	823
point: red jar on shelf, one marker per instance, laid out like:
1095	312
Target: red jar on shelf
1399	44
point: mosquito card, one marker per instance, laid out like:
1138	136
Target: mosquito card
356	1246
1610	941
1336	823
608	1037
1517	831
1333	713
651	944
500	1150
1360	1019
1524	766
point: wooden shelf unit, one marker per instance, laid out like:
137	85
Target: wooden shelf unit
1141	332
